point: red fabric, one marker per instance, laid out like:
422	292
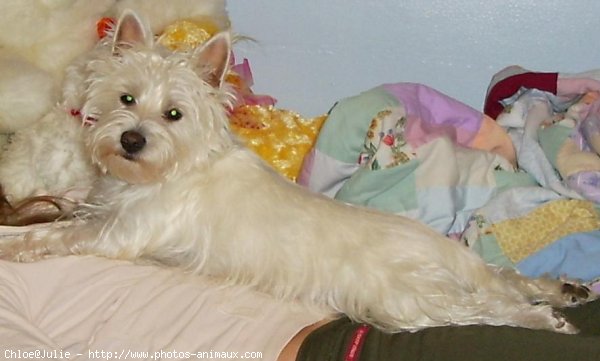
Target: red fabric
509	86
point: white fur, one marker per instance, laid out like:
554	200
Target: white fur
45	155
161	15
38	39
192	197
26	93
50	34
48	157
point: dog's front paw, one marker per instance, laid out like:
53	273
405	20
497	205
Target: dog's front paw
24	256
23	248
9	246
18	252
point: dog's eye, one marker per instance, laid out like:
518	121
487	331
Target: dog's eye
173	114
127	99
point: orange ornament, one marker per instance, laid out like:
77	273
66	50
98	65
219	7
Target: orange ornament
103	26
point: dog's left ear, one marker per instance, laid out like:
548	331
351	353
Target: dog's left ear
212	59
131	31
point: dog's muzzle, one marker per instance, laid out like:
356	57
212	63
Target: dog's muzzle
132	141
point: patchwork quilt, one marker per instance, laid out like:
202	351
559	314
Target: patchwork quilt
518	182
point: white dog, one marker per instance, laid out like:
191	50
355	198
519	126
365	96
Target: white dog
44	156
178	189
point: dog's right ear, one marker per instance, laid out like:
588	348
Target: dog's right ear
131	31
212	58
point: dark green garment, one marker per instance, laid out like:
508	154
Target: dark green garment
466	343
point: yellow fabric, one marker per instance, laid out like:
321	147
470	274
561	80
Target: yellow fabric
523	236
184	35
280	137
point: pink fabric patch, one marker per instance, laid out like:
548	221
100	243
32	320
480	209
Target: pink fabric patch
575	86
431	114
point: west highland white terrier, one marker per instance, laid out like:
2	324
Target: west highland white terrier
177	188
45	154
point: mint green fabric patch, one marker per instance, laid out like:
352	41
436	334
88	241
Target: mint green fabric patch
391	189
506	180
343	133
487	247
552	139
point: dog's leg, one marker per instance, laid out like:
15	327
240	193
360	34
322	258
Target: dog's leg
413	295
505	297
42	243
540	317
496	302
557	293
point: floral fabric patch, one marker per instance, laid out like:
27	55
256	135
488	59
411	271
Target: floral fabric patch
385	145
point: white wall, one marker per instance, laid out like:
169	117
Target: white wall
313	52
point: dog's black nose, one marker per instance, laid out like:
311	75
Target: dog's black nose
132	141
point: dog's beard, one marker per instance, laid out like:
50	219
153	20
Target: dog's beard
133	171
152	164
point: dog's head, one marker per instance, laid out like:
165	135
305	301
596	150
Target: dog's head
157	113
